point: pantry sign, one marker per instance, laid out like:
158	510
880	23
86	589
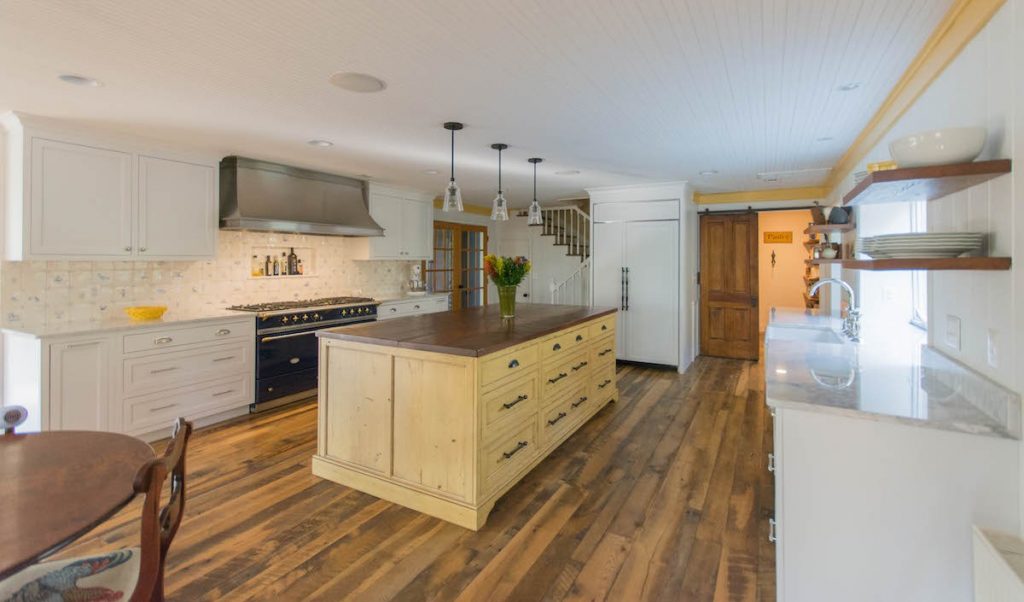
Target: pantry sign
778	238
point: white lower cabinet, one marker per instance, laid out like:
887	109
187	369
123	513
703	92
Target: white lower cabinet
136	381
873	510
413	306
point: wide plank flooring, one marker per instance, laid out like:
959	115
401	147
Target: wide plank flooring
663	495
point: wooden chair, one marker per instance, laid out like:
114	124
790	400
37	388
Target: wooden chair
138	571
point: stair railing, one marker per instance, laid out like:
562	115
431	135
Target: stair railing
574	290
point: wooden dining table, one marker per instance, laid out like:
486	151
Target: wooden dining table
58	485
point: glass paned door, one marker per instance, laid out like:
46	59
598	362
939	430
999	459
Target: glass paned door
458	263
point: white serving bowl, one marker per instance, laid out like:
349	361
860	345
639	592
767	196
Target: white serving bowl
939	147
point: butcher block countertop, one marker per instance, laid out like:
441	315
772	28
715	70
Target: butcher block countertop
470	332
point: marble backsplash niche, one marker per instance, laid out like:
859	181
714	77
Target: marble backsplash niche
48	292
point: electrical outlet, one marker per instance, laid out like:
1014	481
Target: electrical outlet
953	331
993	348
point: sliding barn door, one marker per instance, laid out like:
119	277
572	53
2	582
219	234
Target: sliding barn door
728	286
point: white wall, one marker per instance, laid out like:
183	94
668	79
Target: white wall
983	86
550	262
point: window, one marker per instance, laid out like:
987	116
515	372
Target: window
458	264
919	278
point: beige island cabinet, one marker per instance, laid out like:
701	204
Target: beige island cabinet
444	413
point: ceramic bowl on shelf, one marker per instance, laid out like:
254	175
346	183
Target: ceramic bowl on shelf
145	312
939	147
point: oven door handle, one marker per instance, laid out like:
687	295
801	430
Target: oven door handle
287	336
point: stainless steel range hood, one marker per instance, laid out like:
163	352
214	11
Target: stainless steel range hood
269	197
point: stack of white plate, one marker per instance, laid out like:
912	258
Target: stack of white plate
921	245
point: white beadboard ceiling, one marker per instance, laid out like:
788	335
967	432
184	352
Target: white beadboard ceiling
624	92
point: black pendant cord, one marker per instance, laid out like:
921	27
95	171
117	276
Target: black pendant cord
499	171
534	182
453	156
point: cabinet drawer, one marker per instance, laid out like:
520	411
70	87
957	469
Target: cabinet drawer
558	375
603	326
561	417
147	413
603	387
602	351
565	342
178	368
162	339
508	405
504	364
504	458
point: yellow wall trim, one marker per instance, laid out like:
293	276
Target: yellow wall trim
962	22
753	196
467	208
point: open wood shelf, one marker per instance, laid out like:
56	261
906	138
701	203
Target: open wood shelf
822	261
826	228
952	263
923	183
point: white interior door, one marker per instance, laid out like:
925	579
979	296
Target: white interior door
608	260
652	292
177	208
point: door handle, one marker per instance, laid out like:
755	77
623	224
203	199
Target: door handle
622	289
286	336
627	289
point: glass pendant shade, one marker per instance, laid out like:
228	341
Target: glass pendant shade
534	216
499	209
452	197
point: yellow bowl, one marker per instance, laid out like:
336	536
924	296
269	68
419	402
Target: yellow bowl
145	312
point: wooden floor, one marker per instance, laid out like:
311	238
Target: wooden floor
663	495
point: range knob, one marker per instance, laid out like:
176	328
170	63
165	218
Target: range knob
284	319
305	317
344	312
316	316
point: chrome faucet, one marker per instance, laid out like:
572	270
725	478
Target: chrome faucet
851	323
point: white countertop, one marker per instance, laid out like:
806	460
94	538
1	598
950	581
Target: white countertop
408	297
893	378
119	322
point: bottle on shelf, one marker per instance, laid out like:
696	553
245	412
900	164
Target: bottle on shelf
255	269
298	267
267	265
277	267
284	264
293	262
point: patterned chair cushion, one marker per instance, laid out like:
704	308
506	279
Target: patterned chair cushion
88	579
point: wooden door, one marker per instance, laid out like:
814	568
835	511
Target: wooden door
458	264
728	286
177	209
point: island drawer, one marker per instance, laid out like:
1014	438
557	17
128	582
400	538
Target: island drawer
504	364
562	416
603	326
602	351
507	456
508	405
559	375
603	383
565	342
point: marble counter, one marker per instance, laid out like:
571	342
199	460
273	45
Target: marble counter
121	323
894	378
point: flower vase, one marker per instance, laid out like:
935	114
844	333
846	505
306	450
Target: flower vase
507	301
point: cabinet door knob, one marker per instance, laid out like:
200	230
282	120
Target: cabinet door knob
142	249
127	248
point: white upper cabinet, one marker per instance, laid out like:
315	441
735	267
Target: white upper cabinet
407	219
177	208
71	195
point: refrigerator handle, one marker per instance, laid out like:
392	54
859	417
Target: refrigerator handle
627	289
622	289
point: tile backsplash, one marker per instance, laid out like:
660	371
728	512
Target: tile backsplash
44	292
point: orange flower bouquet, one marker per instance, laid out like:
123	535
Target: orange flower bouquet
506	273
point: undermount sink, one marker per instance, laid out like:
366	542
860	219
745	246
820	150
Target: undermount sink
807	335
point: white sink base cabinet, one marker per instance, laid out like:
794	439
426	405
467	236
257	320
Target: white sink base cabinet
874	510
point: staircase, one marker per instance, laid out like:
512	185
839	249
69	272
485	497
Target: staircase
570	228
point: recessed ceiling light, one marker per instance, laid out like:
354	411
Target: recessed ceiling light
79	80
320	143
568	172
357	82
823	139
847	87
708	172
431	172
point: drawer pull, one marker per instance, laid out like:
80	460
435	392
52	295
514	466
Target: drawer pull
579	366
519	446
604	384
294	360
511	404
270	389
560	376
556	347
224	359
604	353
513	364
771	530
222	393
415	306
556	419
579	401
771	462
604	327
162	370
223	332
166	407
394	309
162	340
579	338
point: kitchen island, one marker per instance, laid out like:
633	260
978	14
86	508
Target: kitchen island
444	413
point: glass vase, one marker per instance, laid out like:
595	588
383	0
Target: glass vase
507	301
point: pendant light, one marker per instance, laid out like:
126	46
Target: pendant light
534	216
499	209
452	194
